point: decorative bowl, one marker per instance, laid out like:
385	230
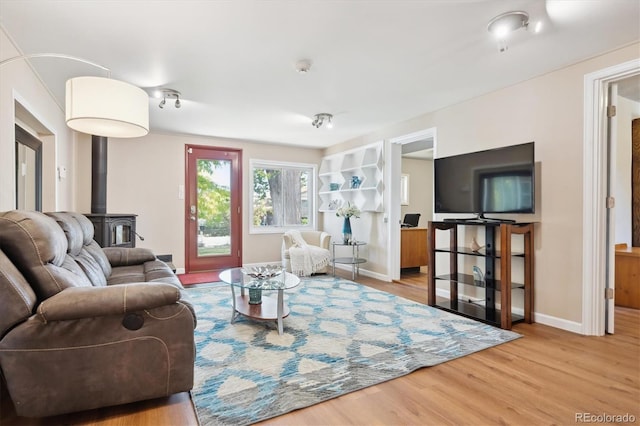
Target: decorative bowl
263	272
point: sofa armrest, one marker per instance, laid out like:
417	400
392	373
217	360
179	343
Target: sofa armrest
125	256
325	240
87	302
286	242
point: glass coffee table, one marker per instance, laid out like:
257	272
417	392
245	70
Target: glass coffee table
250	302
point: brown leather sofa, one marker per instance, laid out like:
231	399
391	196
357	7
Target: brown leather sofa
83	327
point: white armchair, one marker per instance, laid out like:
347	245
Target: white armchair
312	238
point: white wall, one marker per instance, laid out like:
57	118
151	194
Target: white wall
18	83
549	111
627	111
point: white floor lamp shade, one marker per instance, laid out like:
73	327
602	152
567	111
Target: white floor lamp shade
106	107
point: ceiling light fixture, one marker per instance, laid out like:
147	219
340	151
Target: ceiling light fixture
320	119
165	93
503	25
303	66
101	106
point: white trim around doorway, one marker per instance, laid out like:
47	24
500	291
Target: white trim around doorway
594	218
393	169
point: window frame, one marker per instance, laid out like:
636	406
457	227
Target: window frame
311	189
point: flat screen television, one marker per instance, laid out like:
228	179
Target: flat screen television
500	180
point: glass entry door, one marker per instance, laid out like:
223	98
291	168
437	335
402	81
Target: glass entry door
213	209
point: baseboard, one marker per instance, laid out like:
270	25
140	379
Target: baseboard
561	323
364	272
180	271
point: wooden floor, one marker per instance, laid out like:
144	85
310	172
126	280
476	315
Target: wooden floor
547	377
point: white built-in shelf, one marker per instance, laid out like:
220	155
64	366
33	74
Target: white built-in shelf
338	170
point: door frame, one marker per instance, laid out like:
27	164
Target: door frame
394	167
595	178
23	137
236	204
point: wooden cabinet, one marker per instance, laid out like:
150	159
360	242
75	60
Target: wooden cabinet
413	248
628	277
354	177
497	272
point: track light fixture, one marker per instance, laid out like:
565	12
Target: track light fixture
322	118
165	93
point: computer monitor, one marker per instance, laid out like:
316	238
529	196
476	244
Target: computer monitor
411	220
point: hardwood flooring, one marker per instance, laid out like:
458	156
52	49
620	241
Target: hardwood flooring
549	376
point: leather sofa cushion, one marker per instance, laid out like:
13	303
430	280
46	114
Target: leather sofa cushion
72	231
37	247
18	299
150	271
79	232
29	237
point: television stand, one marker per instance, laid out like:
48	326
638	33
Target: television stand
496	286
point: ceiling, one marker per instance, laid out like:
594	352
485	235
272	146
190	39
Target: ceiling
374	63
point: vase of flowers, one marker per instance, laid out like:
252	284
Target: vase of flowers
347	212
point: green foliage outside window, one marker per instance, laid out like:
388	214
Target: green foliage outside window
281	196
214	201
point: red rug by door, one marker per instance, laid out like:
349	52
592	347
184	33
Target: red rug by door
199	277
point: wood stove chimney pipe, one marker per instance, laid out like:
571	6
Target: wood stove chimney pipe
99	174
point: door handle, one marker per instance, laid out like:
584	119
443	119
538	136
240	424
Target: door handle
193	218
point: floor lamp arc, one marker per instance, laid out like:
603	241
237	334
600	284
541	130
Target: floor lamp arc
101	106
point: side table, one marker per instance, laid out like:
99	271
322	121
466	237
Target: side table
355	260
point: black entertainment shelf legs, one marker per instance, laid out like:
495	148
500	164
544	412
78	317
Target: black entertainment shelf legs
492	285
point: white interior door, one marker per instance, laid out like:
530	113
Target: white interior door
611	217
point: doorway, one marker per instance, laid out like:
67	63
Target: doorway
423	141
598	253
213	208
28	169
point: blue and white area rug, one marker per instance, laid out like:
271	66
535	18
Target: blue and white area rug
340	337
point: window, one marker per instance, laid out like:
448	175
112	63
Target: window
282	196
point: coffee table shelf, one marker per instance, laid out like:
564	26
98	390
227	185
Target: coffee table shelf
250	303
265	311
